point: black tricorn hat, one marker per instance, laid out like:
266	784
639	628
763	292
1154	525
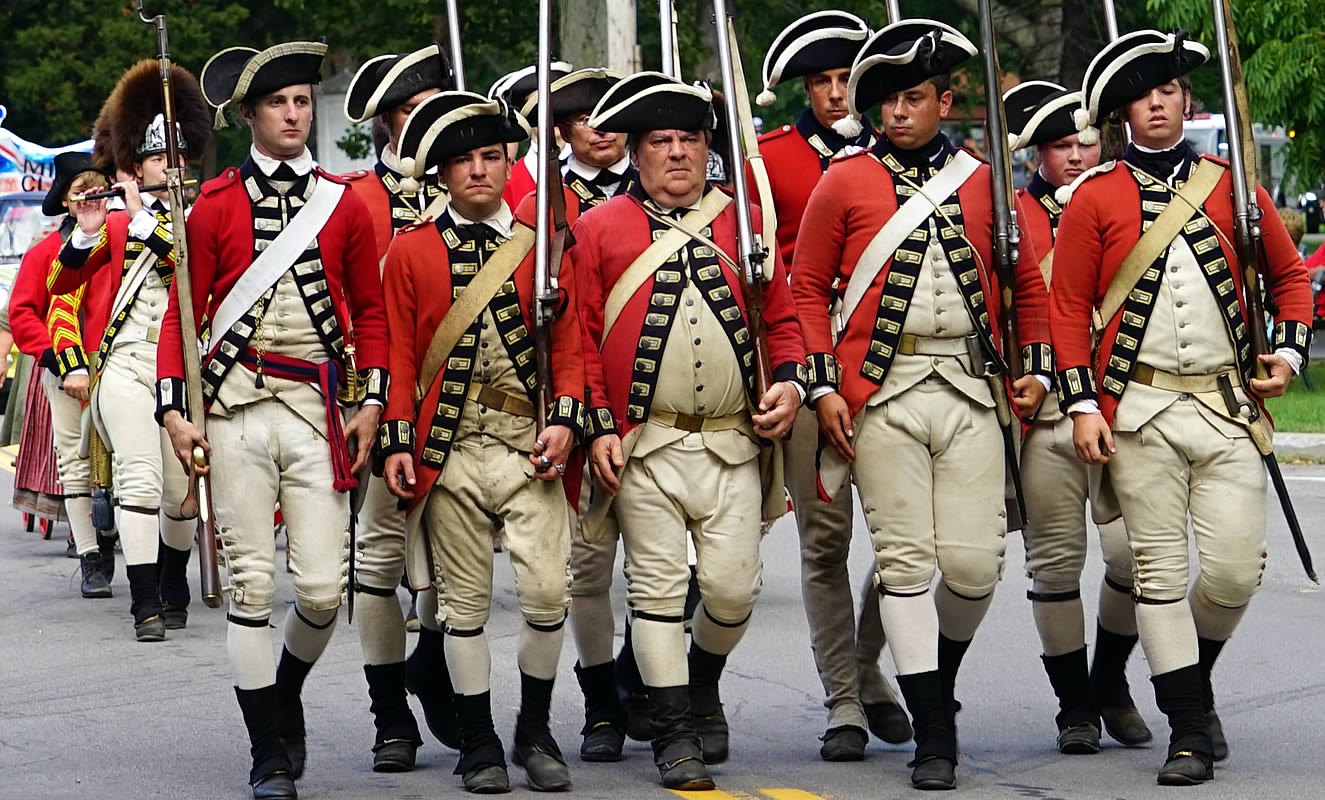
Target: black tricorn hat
67	167
514	87
903	55
816	42
131	124
1039	112
385	82
241	73
650	101
1132	65
573	94
452	123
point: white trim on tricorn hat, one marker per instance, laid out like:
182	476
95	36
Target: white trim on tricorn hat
579	92
1050	107
397	69
611	113
230	76
440	115
795	39
1131	60
505	86
899	46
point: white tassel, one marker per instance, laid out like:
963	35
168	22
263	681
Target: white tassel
1063	194
766	97
1089	136
1080	118
409	185
407	165
219	122
848	127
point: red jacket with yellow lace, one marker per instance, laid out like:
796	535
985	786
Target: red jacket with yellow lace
54	327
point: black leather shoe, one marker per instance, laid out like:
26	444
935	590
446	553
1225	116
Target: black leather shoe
681	767
888	721
297	749
844	743
603	742
1126	725
545	769
933	773
176	618
1081	739
394	755
94	583
1216	729
276	786
487	779
638	726
152	629
1186	768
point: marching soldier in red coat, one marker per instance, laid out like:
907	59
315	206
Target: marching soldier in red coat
1169	400
388	88
460	440
53	329
917	371
284	267
136	247
596	170
677	448
515	89
819	49
1057	484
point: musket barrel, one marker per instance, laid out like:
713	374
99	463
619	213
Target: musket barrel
667	29
1242	199
894	11
744	228
1110	19
453	31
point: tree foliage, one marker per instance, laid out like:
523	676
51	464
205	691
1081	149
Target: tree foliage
1282	43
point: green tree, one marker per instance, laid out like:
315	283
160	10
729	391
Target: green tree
1283	49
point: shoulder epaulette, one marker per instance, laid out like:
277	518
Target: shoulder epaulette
356	175
1064	193
974	154
333	177
229	176
776	133
414	226
864	151
1220	161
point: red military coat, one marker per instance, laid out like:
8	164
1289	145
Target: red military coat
852	202
221	237
56	328
608	239
1037	228
520	184
368	185
418	286
1099	228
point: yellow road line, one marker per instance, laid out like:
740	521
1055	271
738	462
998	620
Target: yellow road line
715	794
788	794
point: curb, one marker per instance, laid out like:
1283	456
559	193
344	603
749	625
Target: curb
1300	445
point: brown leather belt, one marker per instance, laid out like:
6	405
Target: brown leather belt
495	398
1173	382
694	423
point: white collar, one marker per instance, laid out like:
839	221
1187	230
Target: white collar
390	159
302	164
500	222
585	171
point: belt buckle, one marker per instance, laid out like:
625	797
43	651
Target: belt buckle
690	423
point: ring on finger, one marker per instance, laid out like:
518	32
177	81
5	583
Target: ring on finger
561	468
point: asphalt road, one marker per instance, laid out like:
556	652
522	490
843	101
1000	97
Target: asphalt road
85	712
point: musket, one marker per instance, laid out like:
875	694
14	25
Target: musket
894	11
198	501
752	250
552	230
1007	236
453	31
151	187
671	59
1110	20
1250	249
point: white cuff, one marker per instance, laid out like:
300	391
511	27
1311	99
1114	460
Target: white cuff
1293	358
72	372
1045	382
820	391
142	225
1084	407
84	241
371	401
